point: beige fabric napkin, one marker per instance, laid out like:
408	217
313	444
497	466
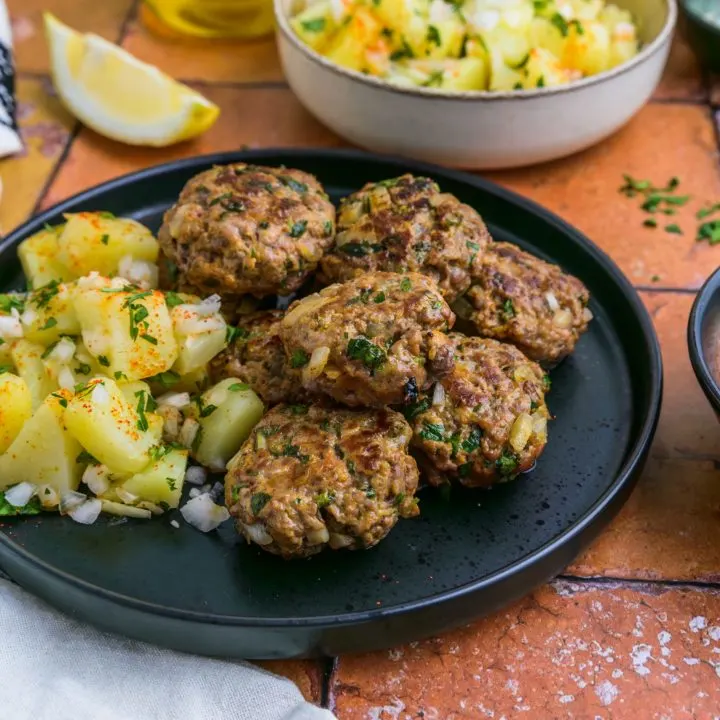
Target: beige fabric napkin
55	668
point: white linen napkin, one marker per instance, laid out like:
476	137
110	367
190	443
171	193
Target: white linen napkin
55	668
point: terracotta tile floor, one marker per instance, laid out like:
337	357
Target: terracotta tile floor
619	635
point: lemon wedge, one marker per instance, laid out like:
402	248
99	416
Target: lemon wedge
119	96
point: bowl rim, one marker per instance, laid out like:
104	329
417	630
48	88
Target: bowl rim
699	19
662	38
696	350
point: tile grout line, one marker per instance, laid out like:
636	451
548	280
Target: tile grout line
329	666
639	582
665	290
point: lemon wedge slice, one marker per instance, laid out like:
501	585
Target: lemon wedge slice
119	96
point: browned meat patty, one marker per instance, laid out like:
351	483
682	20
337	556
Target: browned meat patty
487	421
310	477
518	298
370	341
407	225
248	229
257	357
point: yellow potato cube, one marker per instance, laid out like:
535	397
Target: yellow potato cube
97	241
199	336
109	427
162	481
15	408
544	70
44	452
50	313
130	333
28	360
587	48
227	414
348	46
39	258
315	25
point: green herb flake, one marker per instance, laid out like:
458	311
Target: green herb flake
235	333
238	387
104	360
106	215
50	323
207	410
83	369
434	79
172	299
379	298
167	379
560	23
579	29
417	408
540	82
707	211
105	239
220	198
324	499
507	310
298	409
709	231
433	36
547	382
142	421
5	369
299	359
433	432
61	400
328	227
673	229
33	507
119	375
8	303
472	442
655	278
314	26
399	499
293	184
356	249
85	458
258	501
405	285
369	354
650	222
171	483
521	64
405	51
507	464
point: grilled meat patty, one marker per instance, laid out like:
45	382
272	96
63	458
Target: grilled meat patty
309	477
248	229
518	298
257	357
407	225
488	420
371	341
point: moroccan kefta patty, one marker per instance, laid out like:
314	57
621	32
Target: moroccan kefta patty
372	341
248	229
407	225
256	356
309	477
518	298
486	421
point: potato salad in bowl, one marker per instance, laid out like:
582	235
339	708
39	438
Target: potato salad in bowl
104	382
466	45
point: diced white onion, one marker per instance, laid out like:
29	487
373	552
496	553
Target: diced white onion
539	424
194	492
64	351
523	373
171	422
48	496
552	301
100	396
65	378
624	31
521	431
139	272
438	397
318	537
175	524
209	306
188	320
70	500
260	441
486	20
563	319
28	317
196	475
10	327
114	508
188	432
587	315
338	541
86	513
440	11
217	396
127	497
203	514
217	490
566	10
19	495
217	464
176	400
258	534
97	478
318	361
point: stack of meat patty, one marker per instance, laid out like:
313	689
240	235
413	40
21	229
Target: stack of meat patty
365	379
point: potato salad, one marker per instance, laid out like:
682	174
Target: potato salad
104	391
462	45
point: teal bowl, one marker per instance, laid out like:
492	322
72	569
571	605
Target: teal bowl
702	28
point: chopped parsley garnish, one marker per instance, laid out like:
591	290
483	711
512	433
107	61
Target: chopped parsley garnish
507	311
291	450
315	25
434	79
138	316
709	231
380	297
560	23
369	354
673	229
48	350
293	184
105	239
433	432
149	338
172	299
33	507
506	464
705	212
540	82
238	387
405	51
119	375
522	63
362	297
104	361
328	227
472	442
5	369
61	400
650	222
579	29
370	493
171	483
157	452
324	499
547	382
433	36
50	323
83	369
106	215
298	409
405	285
389	183
299	359
235	333
42	296
655	278
418	408
8	303
297	229
85	458
220	198
207	410
167	379
258	501
142	421
399	499
356	249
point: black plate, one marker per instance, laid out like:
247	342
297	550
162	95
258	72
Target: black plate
468	554
704	337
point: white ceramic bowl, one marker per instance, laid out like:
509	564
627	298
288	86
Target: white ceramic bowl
479	129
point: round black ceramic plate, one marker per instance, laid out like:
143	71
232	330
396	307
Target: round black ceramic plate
469	553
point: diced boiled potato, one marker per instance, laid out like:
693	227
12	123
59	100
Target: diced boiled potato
130	390
109	427
349	44
512	45
503	77
130	333
464	74
586	9
39	258
50	313
200	337
137	392
587	50
314	24
544	70
162	480
15	408
397	14
444	39
228	412
99	241
546	35
5	354
171	381
44	452
28	360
